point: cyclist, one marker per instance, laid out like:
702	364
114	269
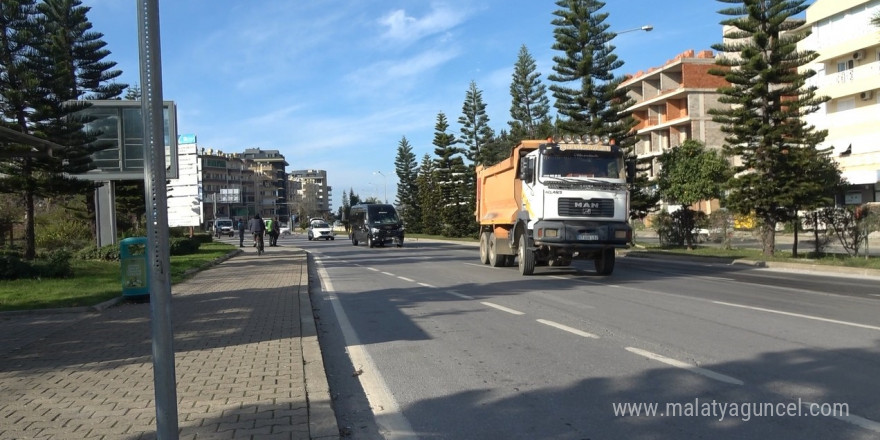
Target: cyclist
258	228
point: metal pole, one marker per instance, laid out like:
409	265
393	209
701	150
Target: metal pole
157	221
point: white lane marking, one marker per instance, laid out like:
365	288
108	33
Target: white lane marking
478	265
502	308
407	279
676	363
874	294
559	277
568	329
386	411
425	285
857	420
388	273
373	269
460	295
798	315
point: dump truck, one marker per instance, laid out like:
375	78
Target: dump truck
553	201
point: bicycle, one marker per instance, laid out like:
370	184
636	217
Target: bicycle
259	239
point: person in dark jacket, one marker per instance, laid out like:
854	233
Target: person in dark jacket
241	227
257	227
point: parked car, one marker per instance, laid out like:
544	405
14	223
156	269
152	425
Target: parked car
224	226
320	229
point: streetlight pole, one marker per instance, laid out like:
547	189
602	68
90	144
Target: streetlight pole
646	28
385	183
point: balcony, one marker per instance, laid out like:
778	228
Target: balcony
849	81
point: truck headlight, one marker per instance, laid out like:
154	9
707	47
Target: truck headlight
621	234
374	230
552	233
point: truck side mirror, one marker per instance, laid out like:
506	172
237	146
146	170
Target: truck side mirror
630	170
526	170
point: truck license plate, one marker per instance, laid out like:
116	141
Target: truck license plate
592	237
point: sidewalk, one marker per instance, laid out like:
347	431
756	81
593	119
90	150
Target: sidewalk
248	363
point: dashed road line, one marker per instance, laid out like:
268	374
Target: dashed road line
388	273
406	279
677	363
502	308
426	285
798	315
568	329
460	295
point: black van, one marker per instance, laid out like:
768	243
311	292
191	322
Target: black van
375	224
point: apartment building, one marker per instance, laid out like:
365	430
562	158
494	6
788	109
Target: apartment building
672	104
229	186
272	195
848	71
309	192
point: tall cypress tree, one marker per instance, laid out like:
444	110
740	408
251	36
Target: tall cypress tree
529	107
407	170
768	97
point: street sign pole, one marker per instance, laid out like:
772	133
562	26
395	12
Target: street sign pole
157	221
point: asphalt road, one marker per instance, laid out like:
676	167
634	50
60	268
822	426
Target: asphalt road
425	342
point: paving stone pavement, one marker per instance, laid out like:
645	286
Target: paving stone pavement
247	361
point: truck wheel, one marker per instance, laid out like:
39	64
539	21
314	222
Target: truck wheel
354	241
484	247
495	260
400	242
605	262
525	256
370	242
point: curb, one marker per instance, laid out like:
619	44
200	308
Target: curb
798	267
322	416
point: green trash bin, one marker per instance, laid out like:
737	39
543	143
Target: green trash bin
133	256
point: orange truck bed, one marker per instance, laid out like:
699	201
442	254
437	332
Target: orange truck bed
499	189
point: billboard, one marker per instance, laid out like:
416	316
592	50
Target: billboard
120	128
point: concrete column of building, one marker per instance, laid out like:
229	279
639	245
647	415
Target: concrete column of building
105	211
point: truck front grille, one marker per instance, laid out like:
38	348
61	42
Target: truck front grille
586	208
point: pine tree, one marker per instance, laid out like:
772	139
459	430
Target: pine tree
407	170
430	198
768	97
475	130
64	64
588	60
18	81
498	148
450	175
133	93
530	107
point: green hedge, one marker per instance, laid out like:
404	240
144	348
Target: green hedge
55	264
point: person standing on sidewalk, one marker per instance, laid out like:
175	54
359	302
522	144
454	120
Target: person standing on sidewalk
270	229
241	227
275	232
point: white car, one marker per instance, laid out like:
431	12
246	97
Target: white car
320	229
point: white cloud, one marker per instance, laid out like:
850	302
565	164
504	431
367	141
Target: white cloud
404	28
399	74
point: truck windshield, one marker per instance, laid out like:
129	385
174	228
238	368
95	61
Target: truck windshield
582	165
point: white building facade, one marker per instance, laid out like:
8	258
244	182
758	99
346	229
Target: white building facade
848	71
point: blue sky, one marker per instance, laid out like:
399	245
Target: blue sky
336	84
